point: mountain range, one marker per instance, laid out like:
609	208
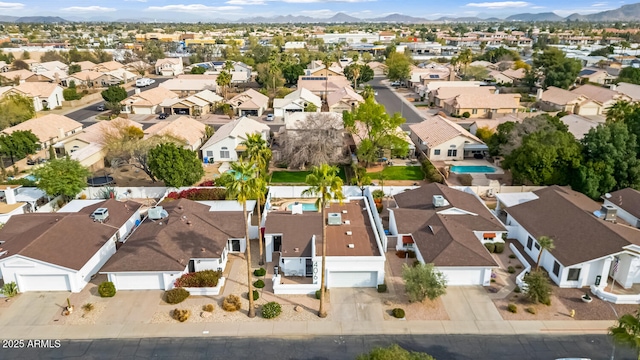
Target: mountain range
625	13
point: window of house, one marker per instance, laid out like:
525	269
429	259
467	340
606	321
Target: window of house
537	246
556	268
209	153
436	152
530	243
474	111
452	152
574	275
224	152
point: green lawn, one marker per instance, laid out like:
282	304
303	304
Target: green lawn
399	173
299	177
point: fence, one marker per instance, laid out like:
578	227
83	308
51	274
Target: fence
51	206
293	289
87	99
527	268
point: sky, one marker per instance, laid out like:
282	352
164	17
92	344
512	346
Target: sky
198	10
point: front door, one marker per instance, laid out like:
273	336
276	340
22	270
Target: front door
192	266
235	245
277	243
309	267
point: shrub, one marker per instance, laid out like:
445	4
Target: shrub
423	281
465	179
181	314
87	307
538	287
491	247
382	288
208	308
231	303
271	310
401	254
205	278
517	289
176	296
9	289
512	256
260	272
499	248
377	194
199	194
318	293
512	308
518	266
466	115
256	295
107	289
511	270
531	310
259	284
397	313
412	254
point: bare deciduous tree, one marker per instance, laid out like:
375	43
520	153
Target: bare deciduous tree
316	139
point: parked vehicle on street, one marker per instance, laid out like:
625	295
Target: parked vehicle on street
163	116
270	117
144	82
100	107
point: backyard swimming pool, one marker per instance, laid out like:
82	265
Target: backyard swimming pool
472	169
306	207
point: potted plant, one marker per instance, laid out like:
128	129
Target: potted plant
586	298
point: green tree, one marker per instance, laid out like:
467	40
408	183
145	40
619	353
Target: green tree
74	68
394	352
423	281
546	243
610	160
538	287
20	65
465	58
291	72
620	111
398	66
358	74
484	133
224	80
476	73
242	187
175	165
324	183
311	107
381	130
62	176
113	95
629	75
71	92
627	331
18	144
556	69
198	70
14	109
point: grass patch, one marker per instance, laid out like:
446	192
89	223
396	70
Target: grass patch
399	173
298	177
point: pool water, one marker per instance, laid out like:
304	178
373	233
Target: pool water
306	207
472	169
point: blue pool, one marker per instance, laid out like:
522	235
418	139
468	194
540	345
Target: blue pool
306	207
472	169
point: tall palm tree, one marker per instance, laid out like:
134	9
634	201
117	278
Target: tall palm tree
258	153
325	183
325	104
223	80
619	110
627	331
546	243
274	70
242	188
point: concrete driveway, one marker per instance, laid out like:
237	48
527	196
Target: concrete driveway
469	303
356	304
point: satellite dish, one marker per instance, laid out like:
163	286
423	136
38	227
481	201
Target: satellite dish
607	195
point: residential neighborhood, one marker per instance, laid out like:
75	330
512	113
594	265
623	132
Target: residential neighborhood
322	176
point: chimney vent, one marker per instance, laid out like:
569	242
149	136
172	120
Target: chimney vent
349	232
351	246
610	213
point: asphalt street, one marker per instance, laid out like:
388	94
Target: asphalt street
90	110
442	347
393	103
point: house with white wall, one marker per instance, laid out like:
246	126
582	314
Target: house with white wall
226	143
45	96
178	237
293	243
448	228
441	139
62	251
297	101
169	66
147	102
592	246
249	103
627	201
49	129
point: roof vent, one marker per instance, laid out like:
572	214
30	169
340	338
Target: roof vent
296	249
439	201
351	246
344	211
347	222
157	213
610	213
100	214
349	232
334	219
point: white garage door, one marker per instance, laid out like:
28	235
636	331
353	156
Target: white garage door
139	282
464	276
44	283
338	279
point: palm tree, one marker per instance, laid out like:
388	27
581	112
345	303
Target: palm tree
274	69
619	110
223	80
325	104
324	183
627	331
546	243
242	187
258	153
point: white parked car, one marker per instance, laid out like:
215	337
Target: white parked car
144	82
270	117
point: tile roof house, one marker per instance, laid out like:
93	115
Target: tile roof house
147	102
169	66
321	85
45	96
602	95
631	90
448	228
293	243
190	236
591	244
483	105
295	102
441	139
442	94
108	66
20	76
85	65
62	251
627	201
49	129
579	126
190	130
556	99
595	76
249	103
190	84
345	99
226	143
198	104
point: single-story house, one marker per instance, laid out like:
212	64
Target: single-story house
190	130
557	99
249	103
604	96
20	76
62	251
321	85
448	228
579	125
9	206
442	94
179	237
595	76
49	129
441	139
201	103
379	69
107	66
293	244
296	101
147	102
483	105
169	66
627	201
345	99
631	90
226	143
591	243
191	84
45	96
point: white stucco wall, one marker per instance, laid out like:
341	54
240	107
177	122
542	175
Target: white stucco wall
229	143
357	263
14	266
458	144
